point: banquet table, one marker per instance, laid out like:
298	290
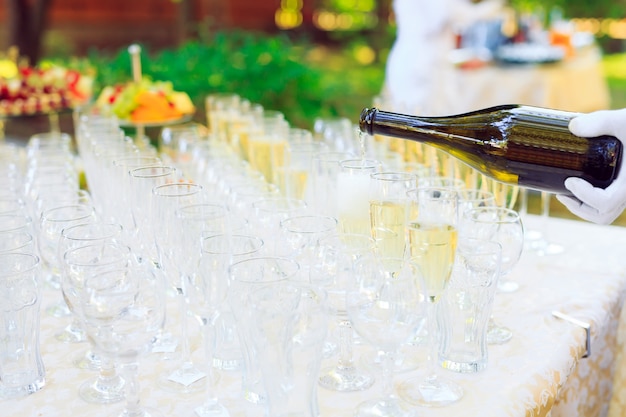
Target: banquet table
541	371
576	84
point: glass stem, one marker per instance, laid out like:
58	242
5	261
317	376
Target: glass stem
184	342
388	363
209	351
432	338
345	344
131	391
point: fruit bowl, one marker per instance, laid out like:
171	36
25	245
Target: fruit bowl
45	89
146	103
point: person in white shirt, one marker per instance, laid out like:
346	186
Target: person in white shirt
419	58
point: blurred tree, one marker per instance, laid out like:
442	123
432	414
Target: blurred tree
26	25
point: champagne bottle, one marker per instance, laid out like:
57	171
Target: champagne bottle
515	144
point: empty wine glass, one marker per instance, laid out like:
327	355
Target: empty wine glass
123	310
142	181
386	309
334	270
244	277
167	199
219	251
300	235
82	262
433	236
51	224
73	237
208	288
504	226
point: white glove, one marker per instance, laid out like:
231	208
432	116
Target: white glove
591	203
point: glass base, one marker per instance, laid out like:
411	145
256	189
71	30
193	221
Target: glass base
498	335
432	391
345	379
102	390
227	364
71	334
185	380
384	407
407	359
211	410
17	387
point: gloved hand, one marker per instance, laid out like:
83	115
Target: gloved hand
591	203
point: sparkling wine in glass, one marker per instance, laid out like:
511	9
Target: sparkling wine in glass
433	237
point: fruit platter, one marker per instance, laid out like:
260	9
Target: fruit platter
48	88
147	103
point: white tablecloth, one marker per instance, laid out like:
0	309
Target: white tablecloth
540	372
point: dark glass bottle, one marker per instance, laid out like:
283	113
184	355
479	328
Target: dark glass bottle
521	145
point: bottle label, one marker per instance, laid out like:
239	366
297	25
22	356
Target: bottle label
543	113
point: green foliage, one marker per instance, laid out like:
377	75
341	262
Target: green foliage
575	8
268	69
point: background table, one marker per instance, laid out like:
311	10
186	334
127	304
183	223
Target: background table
540	372
574	84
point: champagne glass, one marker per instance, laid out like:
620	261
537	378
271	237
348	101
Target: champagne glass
142	182
433	236
300	235
334	270
505	227
244	277
167	199
218	252
388	204
208	291
505	194
353	182
386	309
470	198
537	240
123	310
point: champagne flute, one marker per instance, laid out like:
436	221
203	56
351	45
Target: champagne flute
433	236
142	181
219	251
386	309
541	245
336	258
505	227
208	291
167	199
505	194
388	204
353	195
300	235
